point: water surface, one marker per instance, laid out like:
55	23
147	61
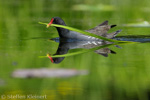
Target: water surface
121	76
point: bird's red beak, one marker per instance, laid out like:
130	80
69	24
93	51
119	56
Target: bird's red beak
48	55
50	22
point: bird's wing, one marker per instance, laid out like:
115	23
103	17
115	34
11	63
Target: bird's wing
101	29
104	52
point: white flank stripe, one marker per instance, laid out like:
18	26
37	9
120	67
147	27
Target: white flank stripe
94	43
93	37
89	37
99	42
89	42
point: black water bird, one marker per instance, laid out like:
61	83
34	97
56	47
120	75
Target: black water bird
71	40
100	30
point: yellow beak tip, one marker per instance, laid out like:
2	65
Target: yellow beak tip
47	25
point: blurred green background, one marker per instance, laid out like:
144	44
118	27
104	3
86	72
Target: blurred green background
124	76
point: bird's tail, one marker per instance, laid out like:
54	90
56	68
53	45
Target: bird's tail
112	35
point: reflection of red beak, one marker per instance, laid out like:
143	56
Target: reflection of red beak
48	55
50	22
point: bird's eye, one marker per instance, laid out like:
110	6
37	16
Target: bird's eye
56	19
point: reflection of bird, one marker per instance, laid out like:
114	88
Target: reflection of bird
79	40
100	30
64	47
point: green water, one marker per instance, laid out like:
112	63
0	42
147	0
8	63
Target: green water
123	76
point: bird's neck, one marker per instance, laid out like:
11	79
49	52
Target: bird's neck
62	32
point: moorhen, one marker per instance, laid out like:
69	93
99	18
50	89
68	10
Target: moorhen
71	39
100	30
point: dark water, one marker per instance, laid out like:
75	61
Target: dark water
121	76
